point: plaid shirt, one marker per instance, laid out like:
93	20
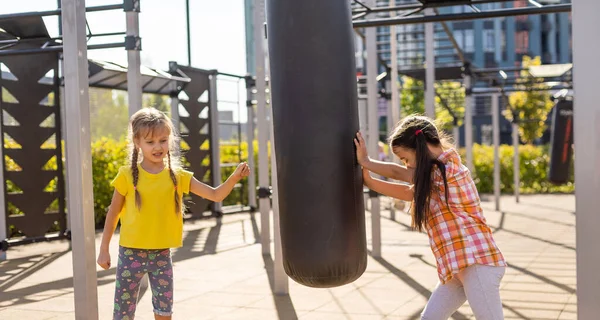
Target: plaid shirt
458	233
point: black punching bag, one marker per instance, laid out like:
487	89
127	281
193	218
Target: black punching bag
561	140
314	94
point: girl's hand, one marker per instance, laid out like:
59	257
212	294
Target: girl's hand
242	171
361	150
104	259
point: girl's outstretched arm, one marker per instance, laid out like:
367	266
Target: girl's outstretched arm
219	193
110	224
386	169
390	189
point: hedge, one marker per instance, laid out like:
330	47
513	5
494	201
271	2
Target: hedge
108	155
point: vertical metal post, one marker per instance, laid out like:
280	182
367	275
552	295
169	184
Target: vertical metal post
496	140
516	161
3	226
430	68
587	139
373	125
250	85
281	285
175	106
189	35
395	103
390	126
78	146
456	136
133	41
469	123
263	127
215	146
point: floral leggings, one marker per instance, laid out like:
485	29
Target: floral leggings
132	265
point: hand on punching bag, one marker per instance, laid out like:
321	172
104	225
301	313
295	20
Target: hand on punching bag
315	114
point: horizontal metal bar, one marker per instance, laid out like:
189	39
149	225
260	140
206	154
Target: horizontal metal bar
496	70
106	45
228	101
56	12
57	49
107	7
108	34
486	91
463	16
231	75
418	49
421	6
27	40
229	123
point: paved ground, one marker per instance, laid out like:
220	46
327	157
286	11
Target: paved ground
221	274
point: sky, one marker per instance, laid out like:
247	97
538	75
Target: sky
217	36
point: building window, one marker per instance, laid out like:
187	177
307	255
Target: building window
489	40
469	41
465	40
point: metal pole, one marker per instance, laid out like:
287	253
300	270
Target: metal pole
430	68
175	107
134	76
469	123
498	13
189	39
456	136
373	125
280	279
78	146
587	139
3	226
587	152
516	161
215	146
250	85
496	139
394	70
395	104
263	127
390	126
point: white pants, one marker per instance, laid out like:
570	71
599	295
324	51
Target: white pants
479	284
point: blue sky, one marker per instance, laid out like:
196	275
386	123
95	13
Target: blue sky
217	34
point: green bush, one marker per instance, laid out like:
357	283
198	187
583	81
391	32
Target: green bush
534	163
108	155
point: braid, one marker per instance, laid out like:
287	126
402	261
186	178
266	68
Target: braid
136	175
174	178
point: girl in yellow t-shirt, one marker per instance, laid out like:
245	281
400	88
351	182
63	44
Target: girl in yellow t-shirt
148	201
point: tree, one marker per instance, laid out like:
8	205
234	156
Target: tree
156	101
530	107
449	96
109	116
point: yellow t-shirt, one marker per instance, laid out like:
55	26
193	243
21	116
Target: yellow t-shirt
156	225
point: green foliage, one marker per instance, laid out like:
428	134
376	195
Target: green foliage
531	107
109	116
108	156
449	95
534	164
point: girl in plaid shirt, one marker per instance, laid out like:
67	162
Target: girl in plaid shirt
446	205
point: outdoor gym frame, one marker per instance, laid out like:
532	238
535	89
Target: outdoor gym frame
80	196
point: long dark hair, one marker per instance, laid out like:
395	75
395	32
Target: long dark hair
415	133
